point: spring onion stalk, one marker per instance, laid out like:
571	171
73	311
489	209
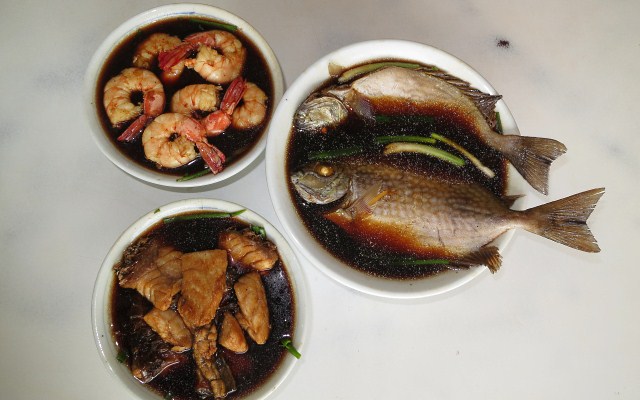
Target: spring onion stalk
498	123
213	24
194	175
402	138
364	69
323	155
287	344
190	217
474	160
385	119
259	230
401	147
122	356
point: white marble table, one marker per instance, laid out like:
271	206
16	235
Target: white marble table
552	324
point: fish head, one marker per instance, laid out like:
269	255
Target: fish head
321	182
319	113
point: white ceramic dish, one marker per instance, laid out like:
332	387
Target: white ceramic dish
100	309
279	133
130	27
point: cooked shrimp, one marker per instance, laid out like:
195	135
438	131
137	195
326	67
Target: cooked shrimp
218	121
146	54
220	56
120	108
253	109
196	100
169	142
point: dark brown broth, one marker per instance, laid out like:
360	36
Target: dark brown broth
358	252
233	143
250	369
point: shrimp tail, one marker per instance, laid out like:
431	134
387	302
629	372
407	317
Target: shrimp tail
233	95
169	58
565	220
135	128
211	155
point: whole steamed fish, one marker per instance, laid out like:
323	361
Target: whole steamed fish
402	91
418	214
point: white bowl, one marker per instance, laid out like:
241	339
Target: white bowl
100	307
129	28
279	133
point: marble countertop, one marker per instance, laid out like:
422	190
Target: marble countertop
553	323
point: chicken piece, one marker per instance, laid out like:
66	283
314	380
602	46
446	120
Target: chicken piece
248	248
232	336
171	328
213	374
254	311
203	284
139	270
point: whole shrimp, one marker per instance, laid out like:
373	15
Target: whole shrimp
119	107
249	114
169	142
196	100
146	55
220	57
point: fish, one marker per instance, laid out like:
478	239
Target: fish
408	212
402	91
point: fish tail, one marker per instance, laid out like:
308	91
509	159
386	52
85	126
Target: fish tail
565	220
532	156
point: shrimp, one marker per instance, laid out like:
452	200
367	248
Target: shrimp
220	57
196	100
119	107
146	55
169	142
218	121
253	109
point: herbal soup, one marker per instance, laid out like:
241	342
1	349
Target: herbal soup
202	307
185	96
337	141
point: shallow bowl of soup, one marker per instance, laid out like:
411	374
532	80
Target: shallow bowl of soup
182	95
336	251
200	298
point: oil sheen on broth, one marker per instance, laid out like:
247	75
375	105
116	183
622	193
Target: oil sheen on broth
251	369
357	132
232	143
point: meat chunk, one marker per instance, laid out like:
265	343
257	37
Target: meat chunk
254	311
203	284
213	374
250	249
169	262
171	328
231	335
139	270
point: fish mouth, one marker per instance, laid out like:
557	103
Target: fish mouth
321	183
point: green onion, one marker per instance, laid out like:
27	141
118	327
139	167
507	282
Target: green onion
474	160
363	69
400	147
189	217
157	210
287	344
194	175
213	24
402	138
122	356
323	155
259	230
386	119
498	123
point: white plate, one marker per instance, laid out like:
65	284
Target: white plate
126	30
100	307
278	138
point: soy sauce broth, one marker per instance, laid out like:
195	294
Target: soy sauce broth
357	132
233	143
251	369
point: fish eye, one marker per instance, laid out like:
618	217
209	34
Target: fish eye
324	170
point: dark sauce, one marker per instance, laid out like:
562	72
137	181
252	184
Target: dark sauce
251	369
233	143
358	252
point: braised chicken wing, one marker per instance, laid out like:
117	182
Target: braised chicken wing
254	311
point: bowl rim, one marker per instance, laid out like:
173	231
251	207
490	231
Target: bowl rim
315	75
129	27
101	296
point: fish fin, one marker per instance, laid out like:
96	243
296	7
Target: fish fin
486	255
485	102
365	203
532	156
565	220
511	199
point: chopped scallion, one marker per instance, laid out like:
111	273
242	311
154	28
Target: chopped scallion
259	230
194	175
287	344
323	155
403	147
498	123
189	217
474	160
213	24
122	356
403	138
